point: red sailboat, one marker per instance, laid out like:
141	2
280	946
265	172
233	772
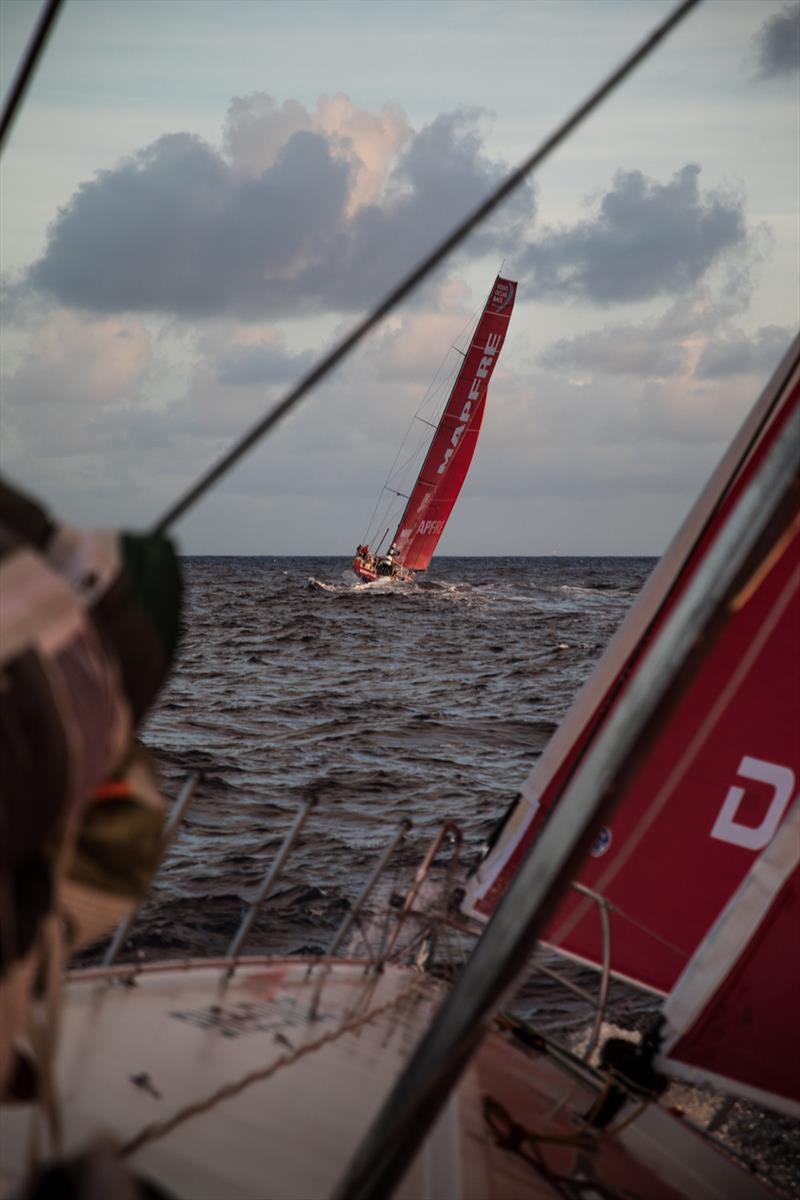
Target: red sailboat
450	453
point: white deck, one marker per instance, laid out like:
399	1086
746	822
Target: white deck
331	1041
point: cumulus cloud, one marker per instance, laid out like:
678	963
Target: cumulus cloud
646	239
83	402
173	230
299	212
738	354
777	43
71	361
264	362
75	413
694	337
257	127
642	350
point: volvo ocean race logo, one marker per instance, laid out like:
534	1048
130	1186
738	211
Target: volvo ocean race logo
602	842
502	295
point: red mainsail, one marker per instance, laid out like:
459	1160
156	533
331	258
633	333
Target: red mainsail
715	785
450	454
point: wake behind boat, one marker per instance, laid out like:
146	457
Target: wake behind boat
449	456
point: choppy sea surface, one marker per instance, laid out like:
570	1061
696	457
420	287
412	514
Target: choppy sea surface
428	701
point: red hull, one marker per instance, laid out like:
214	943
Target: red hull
368	574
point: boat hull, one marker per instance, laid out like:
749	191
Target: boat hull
365	573
368	574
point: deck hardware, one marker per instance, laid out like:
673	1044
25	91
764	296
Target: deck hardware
269	880
378	870
448	829
602	1000
177	813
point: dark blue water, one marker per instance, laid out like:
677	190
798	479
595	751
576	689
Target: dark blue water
429	701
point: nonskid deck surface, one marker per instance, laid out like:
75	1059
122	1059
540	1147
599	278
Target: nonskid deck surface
262	1084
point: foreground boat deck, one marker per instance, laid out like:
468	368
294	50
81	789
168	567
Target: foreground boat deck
261	1085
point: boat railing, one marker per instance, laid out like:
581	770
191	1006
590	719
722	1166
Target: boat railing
598	1000
424	942
177	813
354	914
421	947
448	832
272	875
430	921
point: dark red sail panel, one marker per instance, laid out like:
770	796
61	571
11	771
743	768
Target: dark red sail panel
732	1016
450	454
716	784
708	797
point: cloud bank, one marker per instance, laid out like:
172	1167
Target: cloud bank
646	239
298	212
302	212
777	43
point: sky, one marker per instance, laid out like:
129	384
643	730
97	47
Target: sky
200	196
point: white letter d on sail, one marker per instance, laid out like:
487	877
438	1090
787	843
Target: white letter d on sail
780	779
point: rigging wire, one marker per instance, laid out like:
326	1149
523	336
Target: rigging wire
445	395
433	390
415	277
27	66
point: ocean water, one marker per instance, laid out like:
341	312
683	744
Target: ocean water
428	701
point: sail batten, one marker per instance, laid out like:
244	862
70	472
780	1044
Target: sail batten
449	456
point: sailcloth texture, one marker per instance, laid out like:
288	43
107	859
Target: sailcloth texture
450	454
752	950
705	798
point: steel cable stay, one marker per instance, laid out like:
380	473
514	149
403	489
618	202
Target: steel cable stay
365	1177
407	285
437	392
418	274
28	66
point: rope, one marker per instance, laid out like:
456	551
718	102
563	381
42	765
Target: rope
159	1129
527	1143
423	269
512	1136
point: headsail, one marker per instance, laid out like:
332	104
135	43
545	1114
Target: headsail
450	454
748	1047
718	780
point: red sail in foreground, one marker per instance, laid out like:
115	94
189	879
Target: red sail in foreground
447	461
750	1045
709	794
